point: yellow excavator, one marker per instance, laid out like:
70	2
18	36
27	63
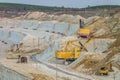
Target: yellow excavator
70	55
83	32
104	70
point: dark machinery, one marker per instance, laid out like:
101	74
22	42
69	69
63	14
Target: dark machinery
22	59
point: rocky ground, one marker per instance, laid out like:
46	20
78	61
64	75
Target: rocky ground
39	32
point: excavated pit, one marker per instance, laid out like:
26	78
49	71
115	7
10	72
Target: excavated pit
43	38
32	35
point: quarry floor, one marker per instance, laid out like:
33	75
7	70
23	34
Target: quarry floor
39	63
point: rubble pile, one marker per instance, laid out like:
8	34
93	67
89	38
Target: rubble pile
41	16
86	65
41	77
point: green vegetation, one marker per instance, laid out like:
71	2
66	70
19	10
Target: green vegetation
103	7
26	7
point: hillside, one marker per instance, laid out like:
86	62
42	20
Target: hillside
103	7
26	7
8	9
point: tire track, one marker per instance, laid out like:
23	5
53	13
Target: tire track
55	68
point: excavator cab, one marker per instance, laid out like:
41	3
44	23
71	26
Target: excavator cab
103	71
83	32
68	56
106	69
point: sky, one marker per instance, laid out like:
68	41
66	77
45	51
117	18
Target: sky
66	3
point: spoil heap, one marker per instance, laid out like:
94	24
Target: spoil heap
87	64
41	77
104	28
47	17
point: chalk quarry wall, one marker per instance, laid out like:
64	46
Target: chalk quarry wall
8	74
